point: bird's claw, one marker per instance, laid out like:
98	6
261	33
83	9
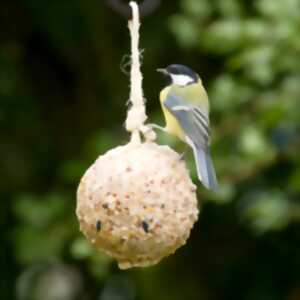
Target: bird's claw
148	133
181	157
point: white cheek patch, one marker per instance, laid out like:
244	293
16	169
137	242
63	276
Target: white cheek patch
181	79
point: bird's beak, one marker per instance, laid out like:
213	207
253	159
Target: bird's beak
164	71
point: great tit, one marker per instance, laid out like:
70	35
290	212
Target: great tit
186	110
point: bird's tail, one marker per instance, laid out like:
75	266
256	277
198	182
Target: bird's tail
205	168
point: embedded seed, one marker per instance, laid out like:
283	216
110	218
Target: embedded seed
145	226
98	225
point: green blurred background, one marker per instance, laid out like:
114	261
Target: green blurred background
62	103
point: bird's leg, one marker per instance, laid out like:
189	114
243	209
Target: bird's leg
181	157
148	131
157	127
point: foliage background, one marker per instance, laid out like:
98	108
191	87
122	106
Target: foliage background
62	103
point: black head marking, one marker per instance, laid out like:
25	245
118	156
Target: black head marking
176	69
182	70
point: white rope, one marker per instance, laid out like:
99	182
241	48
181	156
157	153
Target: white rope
136	115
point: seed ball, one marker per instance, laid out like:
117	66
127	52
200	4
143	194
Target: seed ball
137	203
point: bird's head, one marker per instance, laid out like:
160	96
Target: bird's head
179	75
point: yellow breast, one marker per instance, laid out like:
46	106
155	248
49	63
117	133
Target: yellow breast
172	125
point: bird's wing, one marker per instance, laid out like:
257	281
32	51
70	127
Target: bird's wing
195	124
191	118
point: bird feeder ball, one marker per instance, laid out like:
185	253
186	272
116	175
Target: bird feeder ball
137	203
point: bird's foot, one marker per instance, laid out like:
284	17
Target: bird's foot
148	133
181	157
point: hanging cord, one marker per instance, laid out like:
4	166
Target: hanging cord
146	8
137	113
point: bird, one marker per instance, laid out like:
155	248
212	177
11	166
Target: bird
185	106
